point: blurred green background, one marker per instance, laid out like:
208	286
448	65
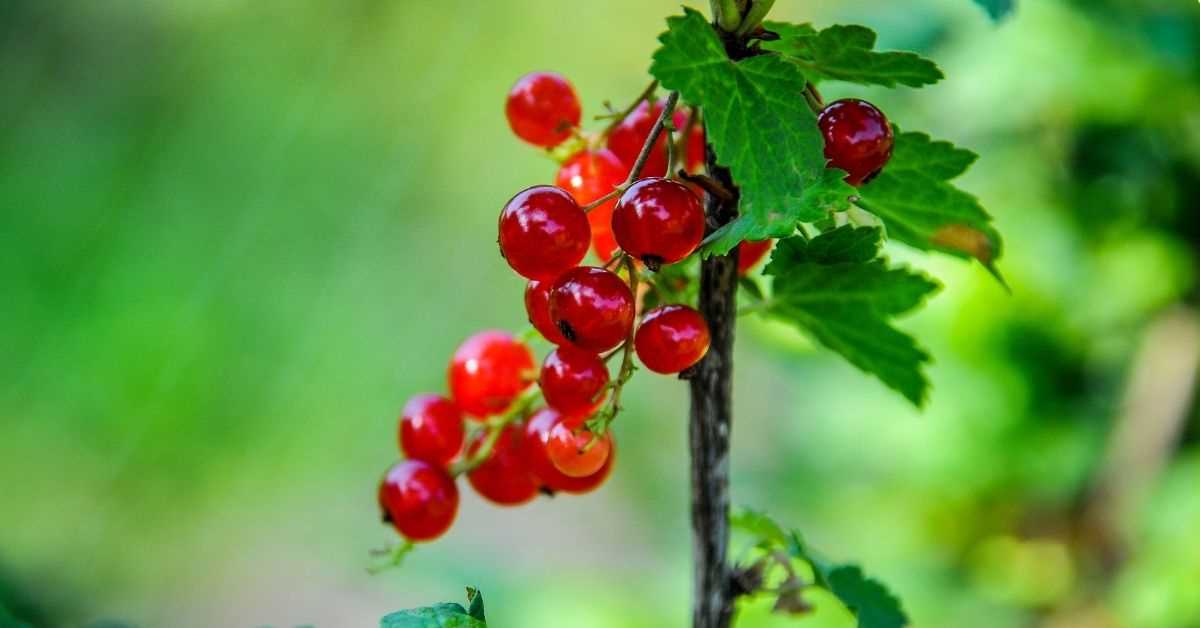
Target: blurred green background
235	236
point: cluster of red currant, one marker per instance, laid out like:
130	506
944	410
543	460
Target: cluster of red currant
511	447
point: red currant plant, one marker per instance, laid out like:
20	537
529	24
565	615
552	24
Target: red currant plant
744	127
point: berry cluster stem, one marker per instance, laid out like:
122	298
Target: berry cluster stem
813	98
494	427
620	117
644	155
600	424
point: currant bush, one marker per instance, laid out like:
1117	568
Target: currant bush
743	130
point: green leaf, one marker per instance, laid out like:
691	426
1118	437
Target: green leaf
475	599
7	620
446	615
760	127
847	53
998	9
750	286
759	525
869	600
833	288
920	207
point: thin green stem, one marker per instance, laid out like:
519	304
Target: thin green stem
644	155
601	422
813	98
495	426
755	308
618	118
754	16
392	557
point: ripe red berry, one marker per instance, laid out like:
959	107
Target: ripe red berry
858	138
603	242
537	436
573	380
537	307
543	232
627	139
671	338
431	429
658	221
504	478
488	371
695	156
419	499
588	176
575	451
751	253
542	108
592	307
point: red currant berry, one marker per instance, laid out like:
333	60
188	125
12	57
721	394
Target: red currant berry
573	380
431	429
537	307
592	307
588	176
627	139
419	499
671	338
575	451
695	156
542	108
537	436
504	478
543	232
858	138
603	242
751	253
488	371
658	221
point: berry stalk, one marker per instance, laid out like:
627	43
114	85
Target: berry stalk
644	155
495	427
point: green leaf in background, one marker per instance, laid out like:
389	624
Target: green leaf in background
919	206
7	620
758	525
446	615
847	53
761	128
870	601
475	599
998	9
833	288
872	604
